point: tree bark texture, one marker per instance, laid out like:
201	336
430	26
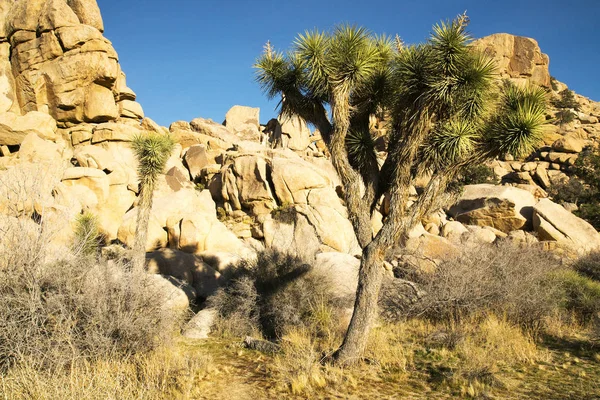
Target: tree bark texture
141	228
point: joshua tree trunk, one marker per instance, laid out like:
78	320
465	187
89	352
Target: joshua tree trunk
365	307
141	228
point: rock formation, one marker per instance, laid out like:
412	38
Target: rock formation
67	119
55	60
517	58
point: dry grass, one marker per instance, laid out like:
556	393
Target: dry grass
162	374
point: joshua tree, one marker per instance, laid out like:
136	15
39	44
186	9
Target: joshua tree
152	151
446	113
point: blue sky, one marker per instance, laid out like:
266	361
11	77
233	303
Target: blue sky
193	58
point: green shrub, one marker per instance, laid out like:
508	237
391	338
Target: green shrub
583	188
270	295
87	237
581	295
553	83
477	174
565	103
285	213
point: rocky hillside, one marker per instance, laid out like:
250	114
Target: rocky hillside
67	119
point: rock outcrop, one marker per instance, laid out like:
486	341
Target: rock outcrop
501	207
517	58
552	222
67	119
55	60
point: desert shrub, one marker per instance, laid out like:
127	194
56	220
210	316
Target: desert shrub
570	191
488	347
591	213
298	367
553	83
55	313
476	174
583	188
589	266
581	295
237	305
501	279
564	104
285	213
271	294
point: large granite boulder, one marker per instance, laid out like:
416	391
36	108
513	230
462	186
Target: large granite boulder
552	222
56	61
518	58
14	128
505	208
244	122
185	267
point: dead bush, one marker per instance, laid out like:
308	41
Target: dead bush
68	310
589	266
272	294
501	279
59	304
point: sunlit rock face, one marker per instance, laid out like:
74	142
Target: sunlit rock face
54	59
517	58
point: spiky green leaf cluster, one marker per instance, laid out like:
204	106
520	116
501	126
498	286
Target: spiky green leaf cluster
518	126
87	234
152	151
440	94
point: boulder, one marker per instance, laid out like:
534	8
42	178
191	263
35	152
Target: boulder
325	212
453	231
87	12
35	149
517	58
72	37
552	222
95	180
541	175
295	133
172	296
245	184
195	159
568	144
201	324
157	236
110	213
185	267
478	235
114	132
8	96
292	234
200	233
130	109
209	128
341	273
100	105
14	128
56	14
244	122
501	207
294	179
431	246
95	157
